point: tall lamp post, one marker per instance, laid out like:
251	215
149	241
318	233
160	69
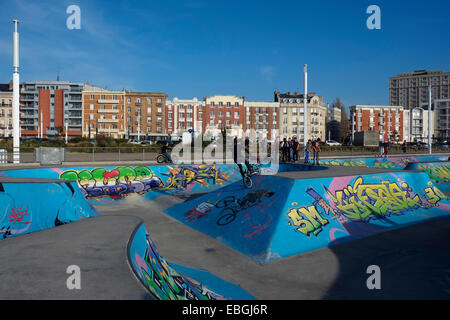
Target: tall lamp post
305	105
16	112
429	120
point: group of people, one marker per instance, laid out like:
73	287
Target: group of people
290	148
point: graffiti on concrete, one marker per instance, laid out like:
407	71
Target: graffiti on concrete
19	221
439	173
181	178
116	183
344	162
360	202
230	206
165	282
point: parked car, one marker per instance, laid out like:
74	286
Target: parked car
332	143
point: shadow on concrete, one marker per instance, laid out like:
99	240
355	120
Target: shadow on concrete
414	263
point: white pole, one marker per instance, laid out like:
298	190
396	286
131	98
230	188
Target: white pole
42	125
353	115
305	106
429	119
139	126
16	96
67	128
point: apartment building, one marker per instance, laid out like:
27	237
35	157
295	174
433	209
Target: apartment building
392	122
103	112
46	108
291	115
224	112
6	97
411	89
442	119
263	117
145	115
183	115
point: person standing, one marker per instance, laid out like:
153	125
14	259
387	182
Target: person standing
316	152
284	150
405	144
295	148
307	151
385	149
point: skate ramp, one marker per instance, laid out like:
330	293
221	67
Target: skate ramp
29	205
438	172
165	283
282	217
394	162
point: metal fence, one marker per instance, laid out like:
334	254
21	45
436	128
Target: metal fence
149	154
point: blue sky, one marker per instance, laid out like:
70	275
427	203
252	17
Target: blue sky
248	48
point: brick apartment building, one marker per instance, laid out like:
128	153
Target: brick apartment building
103	112
123	114
183	115
391	122
145	115
263	117
224	112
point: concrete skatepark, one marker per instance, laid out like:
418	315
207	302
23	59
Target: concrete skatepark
194	232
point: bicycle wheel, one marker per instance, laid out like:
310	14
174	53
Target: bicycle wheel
226	218
225	201
161	159
248	182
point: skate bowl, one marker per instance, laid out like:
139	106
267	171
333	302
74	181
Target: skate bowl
282	217
30	205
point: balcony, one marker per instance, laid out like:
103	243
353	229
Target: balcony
108	110
108	101
104	130
108	120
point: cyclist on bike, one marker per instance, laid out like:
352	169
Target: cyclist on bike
164	152
247	156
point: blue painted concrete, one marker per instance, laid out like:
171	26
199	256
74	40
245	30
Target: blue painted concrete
281	217
29	207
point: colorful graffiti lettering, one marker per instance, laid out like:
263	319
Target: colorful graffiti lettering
165	283
116	183
181	178
439	173
361	202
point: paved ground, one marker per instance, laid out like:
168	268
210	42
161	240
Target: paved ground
414	261
33	266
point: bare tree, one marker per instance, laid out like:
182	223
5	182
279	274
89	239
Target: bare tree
344	118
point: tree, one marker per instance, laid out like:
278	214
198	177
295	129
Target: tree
344	118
